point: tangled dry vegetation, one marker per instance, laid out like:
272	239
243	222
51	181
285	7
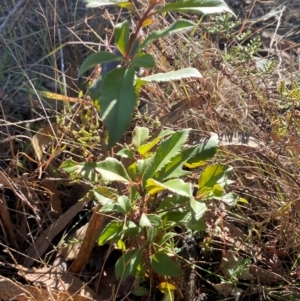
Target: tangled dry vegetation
250	252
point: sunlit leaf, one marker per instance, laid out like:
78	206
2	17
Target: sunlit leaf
230	198
155	220
97	3
151	234
112	170
173	75
166	150
125	153
165	287
111	207
145	148
144	221
153	187
243	201
214	174
177	186
206	150
121	245
43	138
87	170
168	290
197	6
199	208
127	5
104	194
131	229
148	22
111	232
192	155
124	203
121	35
218	190
136	170
139	136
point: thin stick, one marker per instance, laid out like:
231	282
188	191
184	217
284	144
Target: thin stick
13	13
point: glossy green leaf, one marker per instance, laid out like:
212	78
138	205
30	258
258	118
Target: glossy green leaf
176	218
98	3
166	150
155	220
214	174
117	103
205	7
144	61
105	195
167	237
198	208
131	229
121	35
136	170
177	186
121	245
176	27
174	168
193	154
125	153
144	221
173	75
87	170
139	136
218	190
127	264
165	133
230	198
112	170
111	207
196	225
150	220
151	234
112	231
206	150
138	86
98	58
124	203
127	5
174	201
121	206
163	265
153	187
145	148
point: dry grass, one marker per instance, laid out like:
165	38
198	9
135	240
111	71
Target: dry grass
42	49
